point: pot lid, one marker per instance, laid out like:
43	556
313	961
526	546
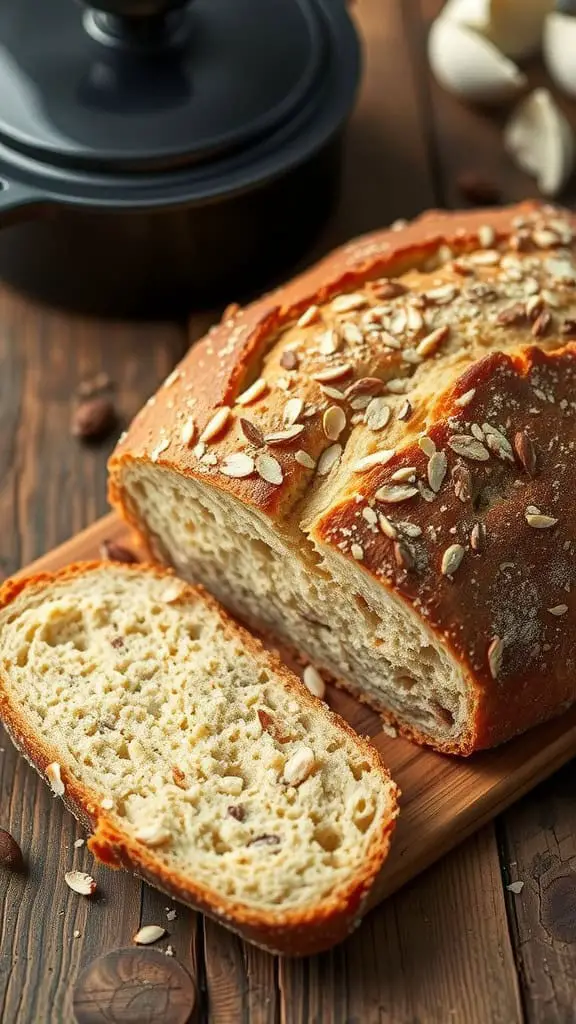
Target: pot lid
83	89
172	102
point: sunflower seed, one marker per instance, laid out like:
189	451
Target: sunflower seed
292	411
349	302
398	385
462	482
437	467
216	424
451	559
351	333
558	609
377	414
478	538
541	324
237	465
426	444
328	459
283	436
148	934
389	289
332	373
80	882
539	521
364	386
299	767
55	779
387	527
333	393
526	452
333	422
256	390
429	344
379	458
414	319
188	431
251	432
486	236
515	314
403	556
330	342
269	469
495	656
160	447
468	447
393	494
388	340
313	681
405	474
545	239
440	296
308	317
304	459
405	411
485	258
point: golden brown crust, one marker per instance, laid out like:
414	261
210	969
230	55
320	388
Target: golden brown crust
493	306
295	932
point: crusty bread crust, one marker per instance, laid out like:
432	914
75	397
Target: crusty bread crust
295	932
510	598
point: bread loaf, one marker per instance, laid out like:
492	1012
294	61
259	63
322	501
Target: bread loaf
375	463
198	760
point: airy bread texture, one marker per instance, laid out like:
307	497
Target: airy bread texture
374	463
197	758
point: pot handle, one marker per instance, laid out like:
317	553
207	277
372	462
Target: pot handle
18	202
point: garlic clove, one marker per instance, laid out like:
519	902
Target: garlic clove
516	28
541	141
470	66
560	50
513	27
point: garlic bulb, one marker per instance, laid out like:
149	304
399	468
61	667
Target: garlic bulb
467	64
513	26
541	141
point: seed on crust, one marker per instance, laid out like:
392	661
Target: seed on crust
299	767
478	538
462	479
80	882
495	656
334	422
468	447
485	257
364	386
332	373
305	459
289	360
426	444
292	411
451	559
442	295
357	552
558	609
161	447
389	289
403	556
255	391
542	324
347	303
237	465
284	436
526	452
538	521
216	423
405	411
387	527
387	339
328	459
330	342
308	317
251	432
395	493
377	414
437	467
515	314
432	341
486	236
269	469
351	333
188	431
465	399
379	458
404	474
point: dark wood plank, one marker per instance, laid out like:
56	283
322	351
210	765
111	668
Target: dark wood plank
51	486
539	849
241	981
437	951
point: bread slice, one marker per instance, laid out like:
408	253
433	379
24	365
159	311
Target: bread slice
197	758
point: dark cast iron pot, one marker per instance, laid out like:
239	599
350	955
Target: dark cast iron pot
156	155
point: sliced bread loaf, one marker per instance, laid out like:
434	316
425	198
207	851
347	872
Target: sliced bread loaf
199	761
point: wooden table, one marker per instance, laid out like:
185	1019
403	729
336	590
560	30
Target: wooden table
454	946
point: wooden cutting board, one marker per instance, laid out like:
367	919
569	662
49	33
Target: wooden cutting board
444	798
